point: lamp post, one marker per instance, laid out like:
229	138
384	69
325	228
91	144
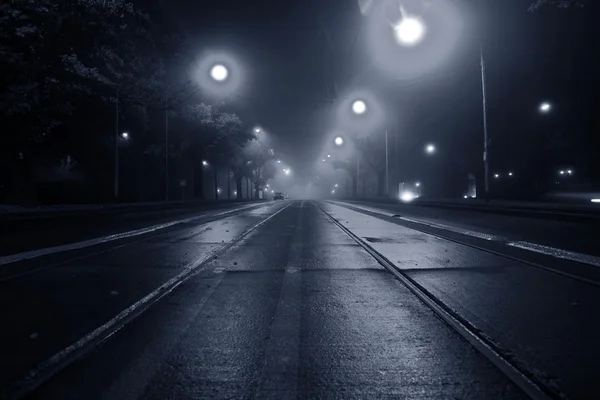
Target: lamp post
123	136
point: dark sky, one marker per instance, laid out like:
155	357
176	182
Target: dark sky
291	65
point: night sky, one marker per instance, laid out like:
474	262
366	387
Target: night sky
295	52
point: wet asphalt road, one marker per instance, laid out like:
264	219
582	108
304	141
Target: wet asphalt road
295	309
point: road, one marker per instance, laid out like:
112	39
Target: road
295	299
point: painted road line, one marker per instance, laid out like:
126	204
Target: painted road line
456	229
468	232
558	253
369	209
26	255
66	356
534	247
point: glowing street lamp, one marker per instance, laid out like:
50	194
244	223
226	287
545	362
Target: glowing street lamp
125	135
204	163
328	155
409	31
359	107
338	141
430	149
496	176
545	107
257	130
418	184
219	72
510	174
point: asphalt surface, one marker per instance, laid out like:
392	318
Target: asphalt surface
294	309
573	236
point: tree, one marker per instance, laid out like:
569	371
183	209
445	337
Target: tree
261	164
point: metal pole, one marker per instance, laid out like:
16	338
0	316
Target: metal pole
116	179
357	176
387	175
166	146
485	132
397	163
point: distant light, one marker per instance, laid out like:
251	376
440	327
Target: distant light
569	172
286	171
125	135
407	196
328	155
359	107
496	175
338	141
418	184
235	192
545	107
430	149
510	174
465	197
595	200
267	185
205	163
257	130
278	161
272	191
409	31
218	190
336	185
219	72
333	191
561	172
323	160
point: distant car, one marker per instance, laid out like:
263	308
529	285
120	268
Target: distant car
278	196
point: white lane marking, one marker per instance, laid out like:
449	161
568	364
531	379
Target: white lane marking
456	229
45	368
26	255
558	253
468	232
373	210
538	248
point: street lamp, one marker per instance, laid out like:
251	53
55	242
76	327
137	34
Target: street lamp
124	136
204	163
328	155
257	130
359	107
430	149
418	184
496	176
409	31
338	141
219	72
510	174
545	107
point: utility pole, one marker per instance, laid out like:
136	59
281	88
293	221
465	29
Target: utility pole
387	175
486	161
167	146
116	178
